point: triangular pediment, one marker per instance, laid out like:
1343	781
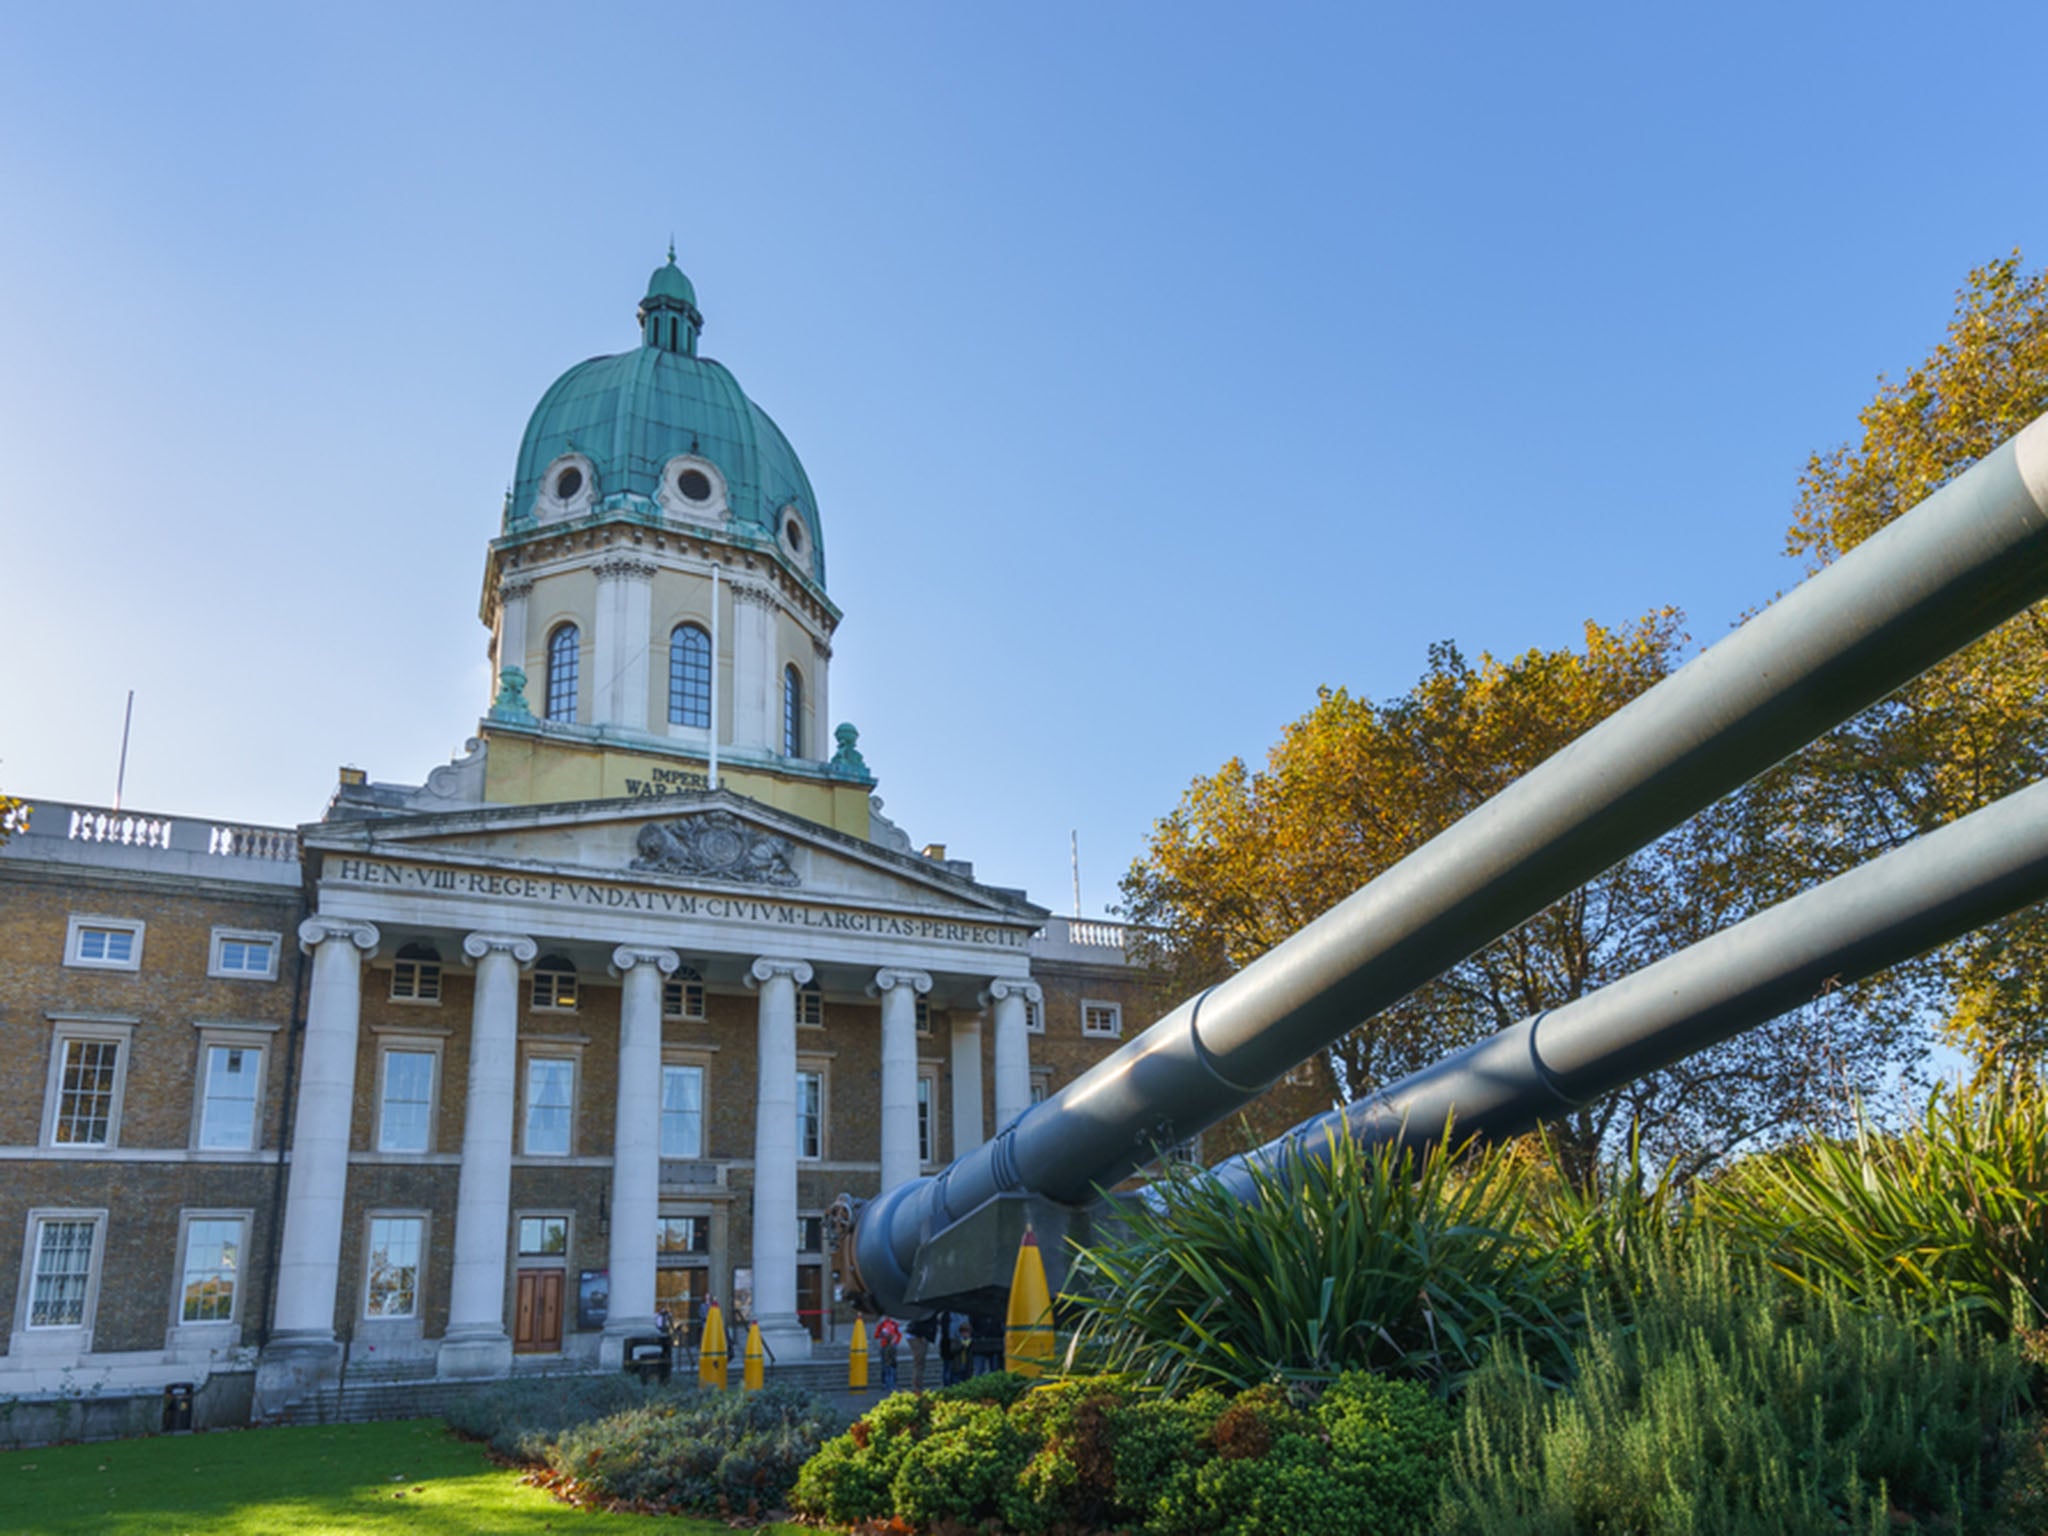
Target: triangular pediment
710	841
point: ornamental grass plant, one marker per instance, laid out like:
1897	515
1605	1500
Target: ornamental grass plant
1950	1214
1731	1403
1409	1264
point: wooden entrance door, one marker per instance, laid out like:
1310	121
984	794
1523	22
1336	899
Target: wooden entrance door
538	1329
810	1297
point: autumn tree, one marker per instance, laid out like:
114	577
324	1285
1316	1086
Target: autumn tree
1354	786
1974	728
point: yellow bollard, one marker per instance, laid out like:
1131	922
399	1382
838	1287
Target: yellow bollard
857	1357
711	1350
750	1369
1027	1332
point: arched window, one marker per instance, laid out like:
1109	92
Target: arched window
564	653
689	676
792	712
554	983
416	974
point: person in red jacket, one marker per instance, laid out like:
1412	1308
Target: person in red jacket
888	1334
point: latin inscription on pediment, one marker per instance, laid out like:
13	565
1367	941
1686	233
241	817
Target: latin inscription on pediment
716	846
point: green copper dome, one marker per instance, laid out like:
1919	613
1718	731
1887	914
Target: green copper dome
638	425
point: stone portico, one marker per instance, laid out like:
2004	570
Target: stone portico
749	900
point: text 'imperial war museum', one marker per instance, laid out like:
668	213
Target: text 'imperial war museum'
598	1020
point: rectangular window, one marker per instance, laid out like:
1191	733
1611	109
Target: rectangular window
810	1234
1041	1086
227	1107
550	1103
213	1258
104	943
927	1131
1102	1019
810	1114
85	1093
245	956
1034	1018
394	1269
674	1235
405	1120
810	1007
924	1015
682	1111
415	981
543	1237
63	1272
555	989
682	995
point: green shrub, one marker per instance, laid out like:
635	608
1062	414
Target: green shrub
965	1467
999	1387
851	1478
1735	1405
704	1451
1946	1215
520	1419
1378	1259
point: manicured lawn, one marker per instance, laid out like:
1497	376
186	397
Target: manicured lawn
413	1477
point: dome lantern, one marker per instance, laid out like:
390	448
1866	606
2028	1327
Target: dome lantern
669	318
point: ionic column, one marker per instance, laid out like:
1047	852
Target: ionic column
899	991
512	595
775	1148
476	1343
620	644
636	1146
1013	1045
966	1082
309	1255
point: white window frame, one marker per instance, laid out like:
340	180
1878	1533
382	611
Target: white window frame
1115	1031
690	1063
575	990
400	962
233	1038
927	1116
1041	1084
810	1000
410	1045
182	1257
419	1280
222	937
921	1015
574	1059
1034	1017
683	986
64	1031
821	1069
78	924
30	1333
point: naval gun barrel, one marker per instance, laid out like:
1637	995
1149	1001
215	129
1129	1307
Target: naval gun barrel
1963	561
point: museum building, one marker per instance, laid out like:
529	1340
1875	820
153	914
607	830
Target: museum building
598	1020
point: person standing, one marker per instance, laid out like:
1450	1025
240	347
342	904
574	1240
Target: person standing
888	1334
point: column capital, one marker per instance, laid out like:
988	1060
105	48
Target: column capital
748	592
768	968
890	977
625	567
515	586
1012	986
517	945
315	931
626	956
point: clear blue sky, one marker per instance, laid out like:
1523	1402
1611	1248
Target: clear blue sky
1153	364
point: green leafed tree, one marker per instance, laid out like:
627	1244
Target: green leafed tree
1354	786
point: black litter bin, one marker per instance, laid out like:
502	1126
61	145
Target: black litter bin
648	1357
177	1407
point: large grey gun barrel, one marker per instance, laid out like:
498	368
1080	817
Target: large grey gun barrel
1967	558
1941	886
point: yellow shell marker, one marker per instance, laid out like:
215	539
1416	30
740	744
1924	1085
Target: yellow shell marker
750	1370
711	1351
857	1357
1027	1332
